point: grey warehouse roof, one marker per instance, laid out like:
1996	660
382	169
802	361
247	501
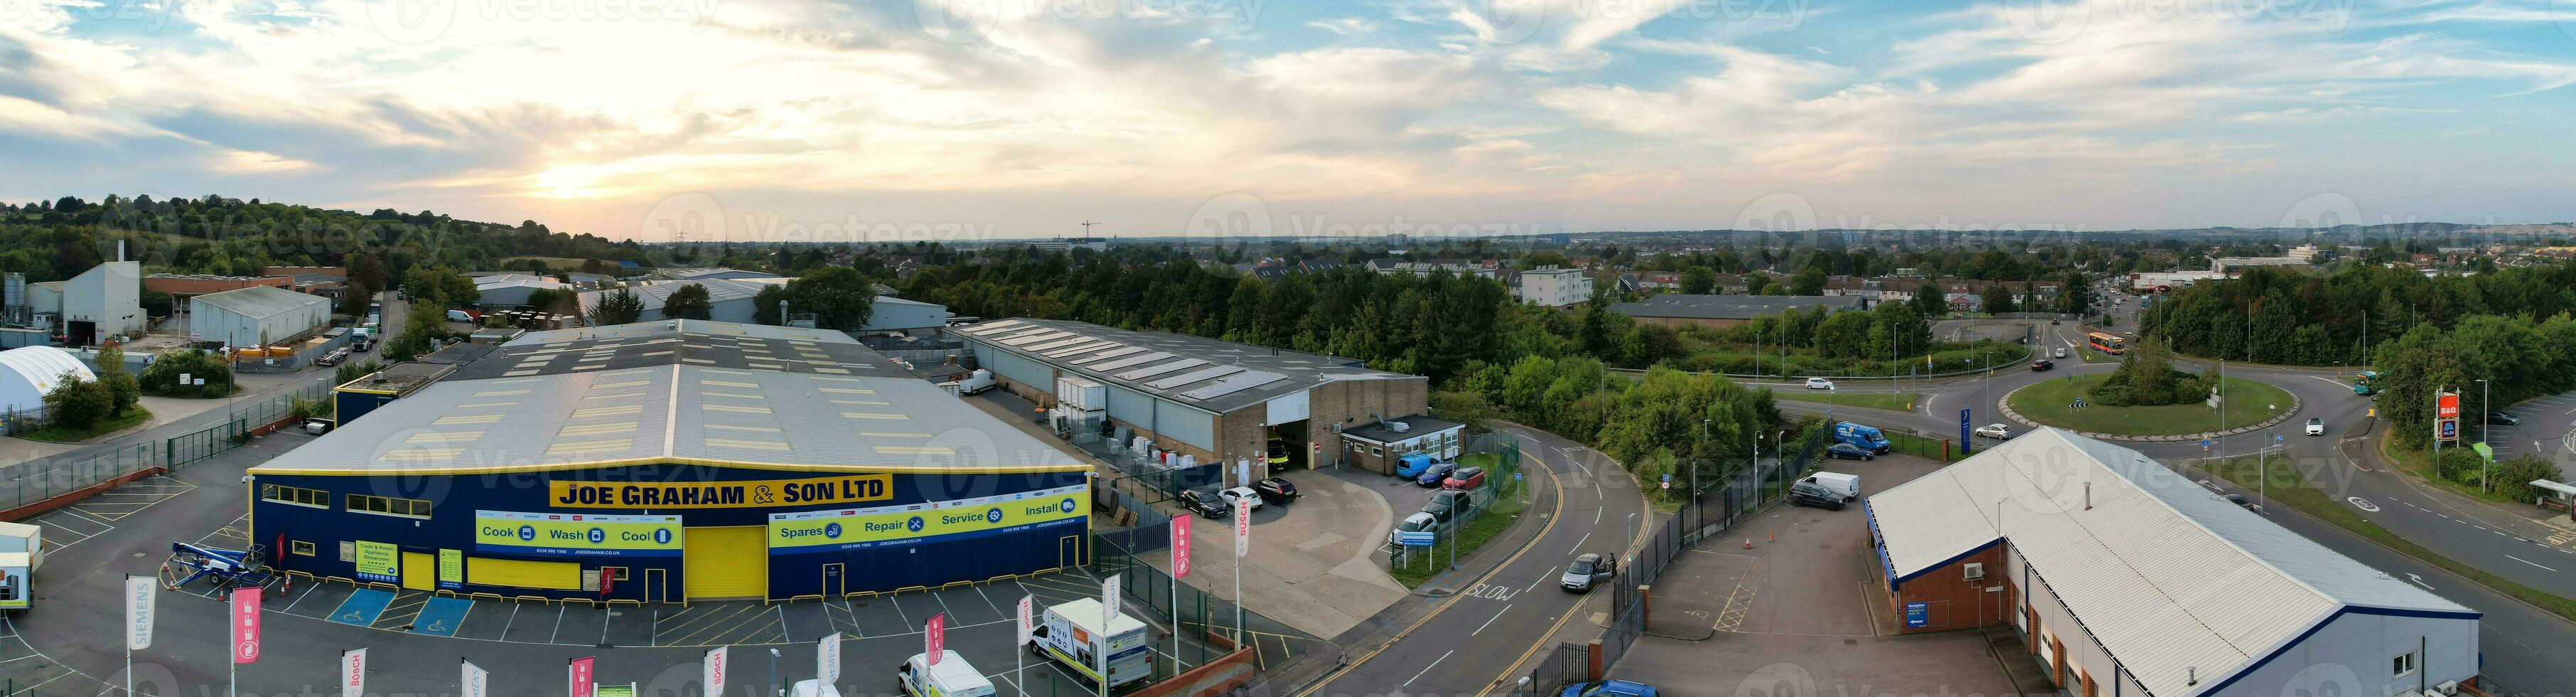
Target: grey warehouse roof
2171	579
1678	306
681	342
260	302
1218	376
681	414
1414	427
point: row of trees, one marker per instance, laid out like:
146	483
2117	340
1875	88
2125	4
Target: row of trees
2518	358
2284	317
837	296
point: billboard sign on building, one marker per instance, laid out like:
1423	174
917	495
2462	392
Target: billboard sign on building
576	534
863	528
720	494
379	561
2446	416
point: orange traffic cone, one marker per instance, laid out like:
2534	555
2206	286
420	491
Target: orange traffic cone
1748	543
1774	537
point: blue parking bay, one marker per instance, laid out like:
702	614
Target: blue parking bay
362	607
441	616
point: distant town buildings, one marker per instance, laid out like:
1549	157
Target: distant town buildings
2226	265
1549	286
1722	311
1068	244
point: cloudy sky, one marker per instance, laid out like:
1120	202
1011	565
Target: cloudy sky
787	119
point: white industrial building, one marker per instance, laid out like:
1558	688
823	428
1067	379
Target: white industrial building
256	316
28	372
2126	578
912	317
512	290
1550	286
2177	279
731	300
106	300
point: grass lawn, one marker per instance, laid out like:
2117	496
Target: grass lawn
1879	400
2287	487
2419	463
59	434
1507	505
2051	402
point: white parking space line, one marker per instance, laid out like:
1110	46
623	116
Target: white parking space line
1444	655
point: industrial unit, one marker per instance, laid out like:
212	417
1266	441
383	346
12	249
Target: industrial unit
1214	401
256	316
2125	578
669	461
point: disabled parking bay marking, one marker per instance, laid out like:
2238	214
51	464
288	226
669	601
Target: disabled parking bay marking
362	607
441	616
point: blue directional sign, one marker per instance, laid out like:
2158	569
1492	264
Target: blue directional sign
1423	538
1963	430
2204	442
1915	615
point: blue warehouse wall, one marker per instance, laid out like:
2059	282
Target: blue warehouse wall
347	405
901	563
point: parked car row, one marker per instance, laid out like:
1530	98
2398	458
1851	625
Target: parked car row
1220	504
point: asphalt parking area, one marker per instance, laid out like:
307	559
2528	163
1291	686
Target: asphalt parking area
1799	613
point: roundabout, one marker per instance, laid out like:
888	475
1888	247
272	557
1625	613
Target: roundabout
2249	405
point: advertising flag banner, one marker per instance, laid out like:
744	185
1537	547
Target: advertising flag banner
246	625
139	598
714	671
579	675
1025	629
827	660
934	638
1242	527
1181	547
474	682
353	673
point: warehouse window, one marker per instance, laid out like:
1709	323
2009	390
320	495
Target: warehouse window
316	498
303	548
2402	665
416	508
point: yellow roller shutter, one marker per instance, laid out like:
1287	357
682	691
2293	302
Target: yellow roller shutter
419	571
520	573
725	562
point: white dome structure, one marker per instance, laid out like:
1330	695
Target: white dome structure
28	372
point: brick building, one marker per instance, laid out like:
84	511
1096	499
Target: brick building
1216	401
2125	578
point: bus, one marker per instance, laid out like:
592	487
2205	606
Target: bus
2106	343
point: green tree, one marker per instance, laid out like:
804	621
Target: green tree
1929	300
123	390
1810	281
1998	298
1699	280
2075	297
764	305
162	376
77	403
617	307
1757	283
689	301
838	297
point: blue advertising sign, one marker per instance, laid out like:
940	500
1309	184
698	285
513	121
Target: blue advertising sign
2450	429
1423	538
1915	616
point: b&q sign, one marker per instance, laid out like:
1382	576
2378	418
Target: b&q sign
719	494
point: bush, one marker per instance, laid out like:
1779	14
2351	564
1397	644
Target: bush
162	377
352	371
75	403
123	390
2514	477
2462	465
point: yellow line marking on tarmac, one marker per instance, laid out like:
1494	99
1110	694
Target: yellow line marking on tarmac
1552	517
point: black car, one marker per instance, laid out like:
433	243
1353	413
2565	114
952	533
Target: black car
1204	503
1804	494
1446	504
2042	366
1275	490
1848	451
2503	419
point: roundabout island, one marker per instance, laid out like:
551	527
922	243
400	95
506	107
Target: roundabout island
2075	403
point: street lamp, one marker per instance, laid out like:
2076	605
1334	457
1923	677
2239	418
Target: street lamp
2485	471
774	687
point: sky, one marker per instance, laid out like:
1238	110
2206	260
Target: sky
869	120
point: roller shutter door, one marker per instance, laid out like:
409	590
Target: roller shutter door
419	571
726	562
521	573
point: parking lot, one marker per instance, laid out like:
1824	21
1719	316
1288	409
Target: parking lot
1803	612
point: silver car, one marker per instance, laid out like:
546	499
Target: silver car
1587	570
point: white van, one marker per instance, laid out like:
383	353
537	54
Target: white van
1843	485
953	677
1071	632
459	316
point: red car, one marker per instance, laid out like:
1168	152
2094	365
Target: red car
1464	478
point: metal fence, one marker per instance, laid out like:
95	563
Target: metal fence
188	448
1204	617
1504	489
1710	512
35	481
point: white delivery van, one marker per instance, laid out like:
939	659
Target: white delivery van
1071	633
1843	485
812	688
459	316
975	382
953	677
22	549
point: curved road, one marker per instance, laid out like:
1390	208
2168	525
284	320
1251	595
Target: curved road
1476	640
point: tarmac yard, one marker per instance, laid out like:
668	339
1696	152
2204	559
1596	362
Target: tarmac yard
68	644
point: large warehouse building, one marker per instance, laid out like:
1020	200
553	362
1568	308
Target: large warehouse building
2125	578
668	461
1216	401
256	316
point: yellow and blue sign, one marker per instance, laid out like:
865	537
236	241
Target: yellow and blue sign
577	534
886	526
720	494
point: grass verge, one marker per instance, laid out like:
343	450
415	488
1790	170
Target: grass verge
1897	401
1506	507
2419	464
2286	485
60	434
2052	402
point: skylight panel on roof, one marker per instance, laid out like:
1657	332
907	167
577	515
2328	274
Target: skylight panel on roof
1234	383
1153	370
1131	360
1194	376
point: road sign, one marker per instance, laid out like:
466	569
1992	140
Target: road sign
1963	430
1423	538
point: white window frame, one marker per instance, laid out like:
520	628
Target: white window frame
2405	664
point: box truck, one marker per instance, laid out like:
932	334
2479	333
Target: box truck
953	677
1072	633
22	549
1863	436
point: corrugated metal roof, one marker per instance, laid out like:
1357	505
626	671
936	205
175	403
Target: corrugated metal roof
677	413
260	302
1148	361
2166	575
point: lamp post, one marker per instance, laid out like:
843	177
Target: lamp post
774	687
2485	471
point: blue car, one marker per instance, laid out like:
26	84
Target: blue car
1608	688
1431	476
1411	466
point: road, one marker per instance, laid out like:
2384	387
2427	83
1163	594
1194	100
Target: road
1476	638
